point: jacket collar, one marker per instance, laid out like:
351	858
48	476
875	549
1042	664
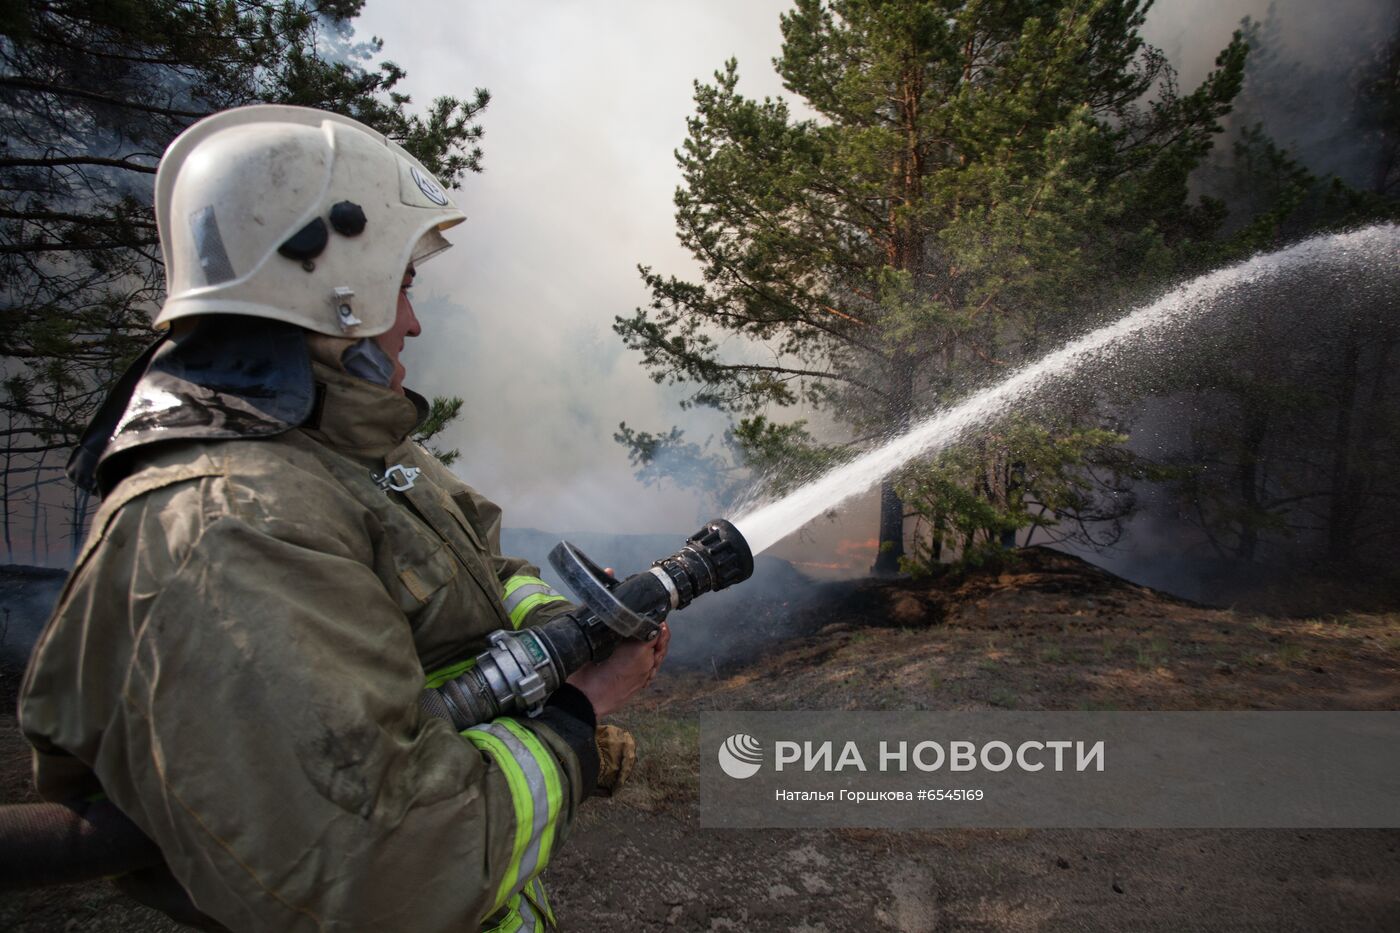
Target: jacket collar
360	418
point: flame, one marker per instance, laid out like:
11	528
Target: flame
819	565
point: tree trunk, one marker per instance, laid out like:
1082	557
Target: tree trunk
34	524
1256	428
1015	494
904	250
1341	521
82	499
5	471
891	532
891	507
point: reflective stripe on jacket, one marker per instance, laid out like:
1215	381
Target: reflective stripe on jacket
524	594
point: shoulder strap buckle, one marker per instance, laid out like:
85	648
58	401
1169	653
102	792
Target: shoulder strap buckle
397	478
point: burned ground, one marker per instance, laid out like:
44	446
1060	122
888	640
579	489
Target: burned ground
1048	632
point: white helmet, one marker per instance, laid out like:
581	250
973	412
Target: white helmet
294	214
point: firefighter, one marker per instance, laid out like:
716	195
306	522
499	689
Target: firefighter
276	572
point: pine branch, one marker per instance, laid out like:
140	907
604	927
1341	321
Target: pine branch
77	160
41	87
86	219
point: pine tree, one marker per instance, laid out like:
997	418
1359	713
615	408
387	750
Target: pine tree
979	177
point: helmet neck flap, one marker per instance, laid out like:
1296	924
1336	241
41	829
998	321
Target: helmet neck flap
221	377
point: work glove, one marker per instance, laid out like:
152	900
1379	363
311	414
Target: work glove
617	756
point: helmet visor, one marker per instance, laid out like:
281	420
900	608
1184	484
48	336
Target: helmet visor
428	246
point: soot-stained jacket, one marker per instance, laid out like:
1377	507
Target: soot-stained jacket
236	662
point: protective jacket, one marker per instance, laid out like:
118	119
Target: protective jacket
236	662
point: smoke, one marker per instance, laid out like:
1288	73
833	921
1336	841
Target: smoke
27	596
589	103
1306	62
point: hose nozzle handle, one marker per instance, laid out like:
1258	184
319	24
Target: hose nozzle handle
599	591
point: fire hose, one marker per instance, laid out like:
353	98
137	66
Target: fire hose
52	843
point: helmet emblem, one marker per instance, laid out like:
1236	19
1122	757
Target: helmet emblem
431	189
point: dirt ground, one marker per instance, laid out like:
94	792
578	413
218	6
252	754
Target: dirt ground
1051	633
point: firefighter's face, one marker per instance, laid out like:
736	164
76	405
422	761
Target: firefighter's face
405	325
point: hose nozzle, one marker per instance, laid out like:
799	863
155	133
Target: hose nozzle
523	668
714	557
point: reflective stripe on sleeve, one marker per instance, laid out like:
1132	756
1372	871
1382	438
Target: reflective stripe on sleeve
534	892
523	594
553	788
521	798
529	920
514	920
532	775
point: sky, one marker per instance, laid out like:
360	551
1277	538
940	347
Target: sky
589	102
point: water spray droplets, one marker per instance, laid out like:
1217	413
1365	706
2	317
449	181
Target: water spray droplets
765	525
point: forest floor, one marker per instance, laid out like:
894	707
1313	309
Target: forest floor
1051	633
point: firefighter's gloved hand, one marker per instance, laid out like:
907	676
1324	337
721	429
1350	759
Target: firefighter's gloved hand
627	671
617	756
